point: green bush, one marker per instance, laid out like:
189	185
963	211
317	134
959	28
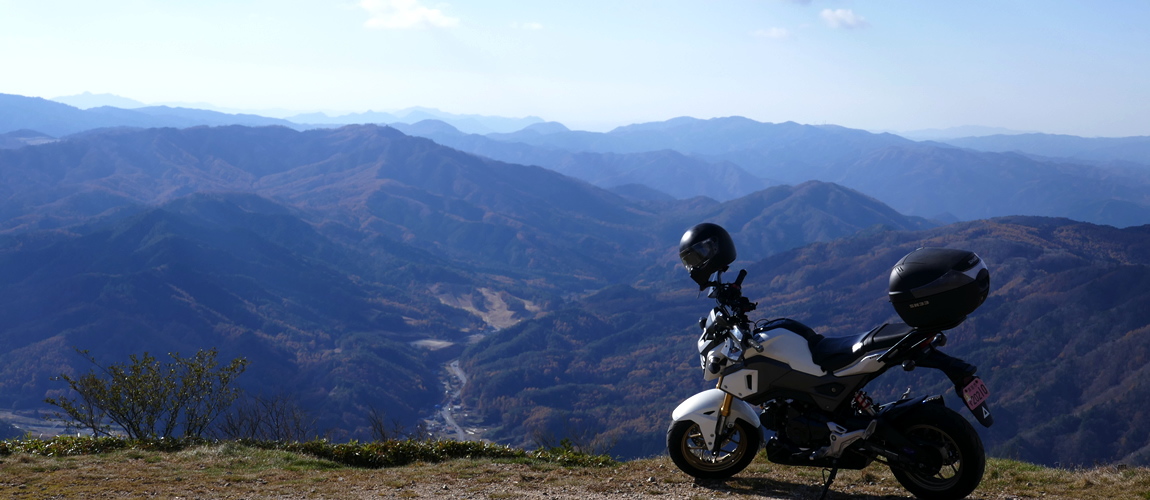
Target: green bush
148	399
371	455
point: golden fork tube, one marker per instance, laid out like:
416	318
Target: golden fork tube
725	408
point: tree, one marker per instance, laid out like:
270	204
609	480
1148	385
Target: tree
276	418
149	399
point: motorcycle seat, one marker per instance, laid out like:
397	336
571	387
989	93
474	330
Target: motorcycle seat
834	353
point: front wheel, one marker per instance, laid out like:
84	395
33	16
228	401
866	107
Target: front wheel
689	450
963	457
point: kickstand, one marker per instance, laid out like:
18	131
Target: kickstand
830	479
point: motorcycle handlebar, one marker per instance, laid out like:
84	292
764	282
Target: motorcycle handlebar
739	280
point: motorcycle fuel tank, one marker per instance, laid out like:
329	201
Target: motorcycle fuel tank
790	348
785	369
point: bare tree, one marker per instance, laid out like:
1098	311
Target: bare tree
377	424
275	418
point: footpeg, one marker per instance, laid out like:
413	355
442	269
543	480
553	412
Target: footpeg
841	439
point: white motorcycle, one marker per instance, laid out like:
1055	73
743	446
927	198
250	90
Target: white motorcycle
808	389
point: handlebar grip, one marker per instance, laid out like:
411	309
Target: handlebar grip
739	280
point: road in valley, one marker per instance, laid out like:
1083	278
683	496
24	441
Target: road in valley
460	434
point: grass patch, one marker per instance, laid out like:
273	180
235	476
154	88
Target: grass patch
74	468
299	464
371	455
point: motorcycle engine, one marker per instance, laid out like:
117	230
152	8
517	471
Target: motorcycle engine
797	423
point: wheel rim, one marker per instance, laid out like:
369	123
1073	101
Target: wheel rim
951	471
699	456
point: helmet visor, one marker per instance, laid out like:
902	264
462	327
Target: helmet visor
699	253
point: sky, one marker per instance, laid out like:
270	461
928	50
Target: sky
1079	68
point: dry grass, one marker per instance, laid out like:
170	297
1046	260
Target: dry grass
235	471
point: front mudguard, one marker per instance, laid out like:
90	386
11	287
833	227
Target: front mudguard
703	409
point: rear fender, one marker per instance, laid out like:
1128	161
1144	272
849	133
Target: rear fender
960	374
888	432
703	409
892	411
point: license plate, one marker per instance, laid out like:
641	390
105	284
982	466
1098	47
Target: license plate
975	393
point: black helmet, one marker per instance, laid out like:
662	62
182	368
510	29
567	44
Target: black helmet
705	249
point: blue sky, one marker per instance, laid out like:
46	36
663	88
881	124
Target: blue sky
1061	67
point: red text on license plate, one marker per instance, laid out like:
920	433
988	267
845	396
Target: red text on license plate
975	393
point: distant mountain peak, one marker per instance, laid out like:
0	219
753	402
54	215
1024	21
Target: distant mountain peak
88	100
943	134
655	126
427	127
545	128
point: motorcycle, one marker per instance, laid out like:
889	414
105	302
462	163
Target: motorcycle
782	376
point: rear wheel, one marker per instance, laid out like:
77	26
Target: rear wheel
963	457
690	453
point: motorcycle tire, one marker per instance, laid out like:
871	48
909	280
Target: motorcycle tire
689	450
964	459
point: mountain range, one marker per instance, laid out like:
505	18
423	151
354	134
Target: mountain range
327	255
666	171
472	124
943	134
58	119
86	100
1107	149
1094	180
689	157
327	251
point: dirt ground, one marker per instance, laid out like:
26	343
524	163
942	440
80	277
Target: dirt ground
229	471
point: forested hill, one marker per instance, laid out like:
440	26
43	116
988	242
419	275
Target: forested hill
1062	341
323	255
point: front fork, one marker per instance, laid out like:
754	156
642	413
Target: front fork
721	422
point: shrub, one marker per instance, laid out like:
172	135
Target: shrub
373	455
148	399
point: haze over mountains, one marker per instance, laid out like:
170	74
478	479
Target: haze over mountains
547	258
57	119
924	179
478	124
943	134
1104	149
1105	181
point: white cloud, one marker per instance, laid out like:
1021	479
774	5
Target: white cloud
527	26
402	14
775	33
843	18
